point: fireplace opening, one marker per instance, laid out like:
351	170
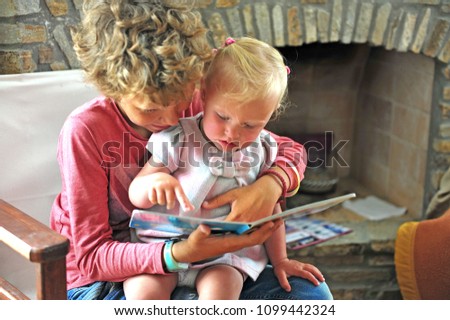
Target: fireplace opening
363	113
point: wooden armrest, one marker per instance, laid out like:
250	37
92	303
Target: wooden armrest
39	244
10	292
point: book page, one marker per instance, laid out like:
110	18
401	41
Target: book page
184	225
307	209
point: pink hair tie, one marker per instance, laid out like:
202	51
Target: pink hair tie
288	70
229	41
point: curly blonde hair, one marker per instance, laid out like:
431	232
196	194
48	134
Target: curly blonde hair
154	48
251	69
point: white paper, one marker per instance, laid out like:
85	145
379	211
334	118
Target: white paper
374	208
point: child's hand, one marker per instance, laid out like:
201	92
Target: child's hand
165	189
201	244
286	267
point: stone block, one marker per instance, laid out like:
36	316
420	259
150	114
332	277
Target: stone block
45	54
16	61
446	92
227	3
437	37
263	23
66	46
428	2
323	25
22	33
58	7
58	66
348	293
358	275
11	8
394	27
9	33
421	32
247	13
364	23
444	129
349	24
444	55
381	261
294	29
234	21
381	23
309	15
446	72
313	1
339	250
278	26
336	21
445	109
408	32
33	33
345	260
441	145
218	29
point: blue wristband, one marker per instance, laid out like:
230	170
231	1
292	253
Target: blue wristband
171	264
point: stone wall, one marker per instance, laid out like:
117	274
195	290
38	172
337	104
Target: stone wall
34	34
359	265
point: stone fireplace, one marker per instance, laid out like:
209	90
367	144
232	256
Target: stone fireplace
374	73
376	103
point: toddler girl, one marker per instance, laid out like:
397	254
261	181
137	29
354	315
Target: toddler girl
203	156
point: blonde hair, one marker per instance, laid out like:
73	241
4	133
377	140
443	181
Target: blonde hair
251	69
129	48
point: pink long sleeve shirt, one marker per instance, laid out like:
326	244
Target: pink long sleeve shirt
99	154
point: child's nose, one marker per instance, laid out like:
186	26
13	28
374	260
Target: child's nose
232	132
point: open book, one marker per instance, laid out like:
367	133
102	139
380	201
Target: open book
183	225
304	231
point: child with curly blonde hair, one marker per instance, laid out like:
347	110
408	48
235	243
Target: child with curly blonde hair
145	58
224	148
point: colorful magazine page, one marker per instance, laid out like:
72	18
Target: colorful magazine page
304	231
184	225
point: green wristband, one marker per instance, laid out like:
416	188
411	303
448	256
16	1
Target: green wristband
171	264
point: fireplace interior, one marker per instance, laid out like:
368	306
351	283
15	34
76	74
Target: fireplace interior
363	113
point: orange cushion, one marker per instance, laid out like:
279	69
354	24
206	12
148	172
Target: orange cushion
422	258
404	260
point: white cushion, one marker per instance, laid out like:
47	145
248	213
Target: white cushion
33	108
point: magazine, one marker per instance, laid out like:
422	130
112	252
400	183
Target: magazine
304	231
174	225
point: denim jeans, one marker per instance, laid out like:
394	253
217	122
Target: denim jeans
266	287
